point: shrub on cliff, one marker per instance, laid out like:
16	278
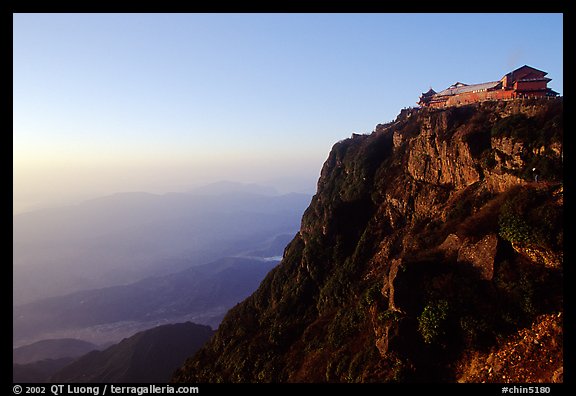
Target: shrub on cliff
432	321
529	218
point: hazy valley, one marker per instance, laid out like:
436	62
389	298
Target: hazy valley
126	237
106	269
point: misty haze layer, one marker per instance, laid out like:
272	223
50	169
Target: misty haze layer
126	237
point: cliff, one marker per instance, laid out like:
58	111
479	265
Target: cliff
426	252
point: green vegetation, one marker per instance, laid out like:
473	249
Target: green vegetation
528	217
536	133
345	324
514	228
432	321
474	329
389	315
373	293
543	128
516	126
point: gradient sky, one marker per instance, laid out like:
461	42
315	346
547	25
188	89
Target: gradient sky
161	102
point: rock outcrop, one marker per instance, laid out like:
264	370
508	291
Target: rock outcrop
427	242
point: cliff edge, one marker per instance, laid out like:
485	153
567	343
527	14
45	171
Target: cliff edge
432	251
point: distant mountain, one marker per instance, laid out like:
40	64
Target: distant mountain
51	349
123	238
202	294
146	357
228	187
40	371
274	248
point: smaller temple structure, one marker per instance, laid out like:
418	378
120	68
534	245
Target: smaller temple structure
524	82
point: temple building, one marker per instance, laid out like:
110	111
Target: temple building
524	82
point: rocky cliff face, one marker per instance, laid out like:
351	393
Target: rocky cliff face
427	247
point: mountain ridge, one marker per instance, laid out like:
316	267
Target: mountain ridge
202	293
147	357
426	239
51	349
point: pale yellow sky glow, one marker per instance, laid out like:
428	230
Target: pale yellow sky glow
52	180
104	103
